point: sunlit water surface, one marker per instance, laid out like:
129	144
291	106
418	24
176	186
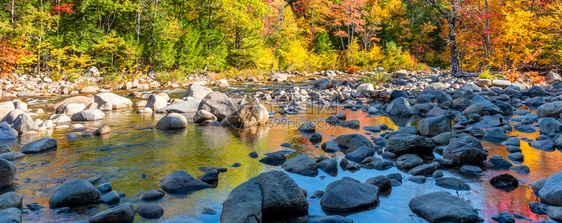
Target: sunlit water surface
135	148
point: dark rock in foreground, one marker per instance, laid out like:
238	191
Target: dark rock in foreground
269	195
444	207
74	193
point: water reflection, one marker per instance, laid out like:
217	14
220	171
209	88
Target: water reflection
134	148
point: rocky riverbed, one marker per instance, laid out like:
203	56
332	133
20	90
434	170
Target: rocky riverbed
419	148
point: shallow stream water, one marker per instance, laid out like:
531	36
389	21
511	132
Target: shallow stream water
134	148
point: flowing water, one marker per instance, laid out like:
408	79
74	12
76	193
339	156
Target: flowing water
134	148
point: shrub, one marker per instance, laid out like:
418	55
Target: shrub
376	78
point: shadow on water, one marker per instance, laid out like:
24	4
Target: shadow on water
135	149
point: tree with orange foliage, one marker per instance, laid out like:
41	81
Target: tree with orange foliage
11	54
347	19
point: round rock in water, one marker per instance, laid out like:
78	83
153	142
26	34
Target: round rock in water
74	193
153	195
348	194
505	182
150	211
172	121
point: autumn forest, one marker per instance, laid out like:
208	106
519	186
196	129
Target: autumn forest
64	37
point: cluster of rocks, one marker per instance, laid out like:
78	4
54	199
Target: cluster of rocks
16	119
212	107
456	114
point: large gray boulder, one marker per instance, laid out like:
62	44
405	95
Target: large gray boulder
74	193
7	132
434	126
351	142
402	143
249	114
443	207
552	109
7	173
188	106
181	182
24	123
244	204
59	106
271	194
88	115
172	121
156	102
349	194
71	108
551	192
123	213
196	91
218	104
465	150
111	101
400	107
39	145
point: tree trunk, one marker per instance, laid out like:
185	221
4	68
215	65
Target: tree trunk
273	60
453	45
138	32
12	12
